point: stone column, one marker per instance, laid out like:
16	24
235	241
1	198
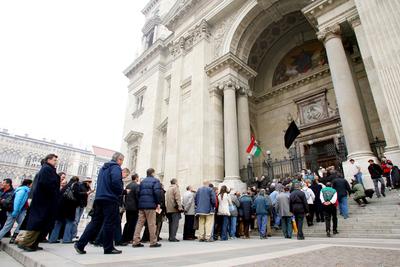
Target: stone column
216	169
243	124
392	149
231	144
349	106
380	20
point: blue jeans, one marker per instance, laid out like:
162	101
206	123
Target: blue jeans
78	215
232	226
67	236
277	218
359	179
287	226
224	229
344	210
262	220
10	223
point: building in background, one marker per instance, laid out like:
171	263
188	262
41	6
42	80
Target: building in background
20	157
213	73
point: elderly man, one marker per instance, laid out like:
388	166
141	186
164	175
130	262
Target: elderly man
173	203
205	207
189	208
106	206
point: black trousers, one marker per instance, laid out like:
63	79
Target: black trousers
105	214
173	224
299	218
310	217
319	211
129	227
188	231
330	212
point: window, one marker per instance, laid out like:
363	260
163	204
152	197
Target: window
167	89
149	38
139	102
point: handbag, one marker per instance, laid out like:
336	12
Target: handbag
69	193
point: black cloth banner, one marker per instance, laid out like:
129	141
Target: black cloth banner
291	133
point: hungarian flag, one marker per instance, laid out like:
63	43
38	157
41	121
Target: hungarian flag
253	148
291	133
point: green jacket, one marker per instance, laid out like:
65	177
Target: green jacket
358	191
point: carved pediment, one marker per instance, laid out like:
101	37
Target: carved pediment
133	137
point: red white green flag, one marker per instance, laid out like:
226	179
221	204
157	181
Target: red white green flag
253	148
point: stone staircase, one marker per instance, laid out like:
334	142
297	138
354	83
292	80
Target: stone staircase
379	219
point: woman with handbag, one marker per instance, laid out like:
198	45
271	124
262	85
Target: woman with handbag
68	203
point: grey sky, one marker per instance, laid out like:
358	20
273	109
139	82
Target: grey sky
61	66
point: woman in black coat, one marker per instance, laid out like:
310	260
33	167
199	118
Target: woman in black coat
69	201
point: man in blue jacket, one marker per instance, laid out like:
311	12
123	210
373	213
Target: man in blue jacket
106	206
149	206
262	206
17	214
205	201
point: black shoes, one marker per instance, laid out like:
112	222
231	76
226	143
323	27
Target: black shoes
328	234
121	244
173	240
140	245
114	251
80	251
156	245
335	232
27	249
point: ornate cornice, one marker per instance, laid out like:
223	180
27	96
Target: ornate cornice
354	21
177	12
133	136
142	59
229	60
149	6
294	83
328	33
150	24
318	8
185	43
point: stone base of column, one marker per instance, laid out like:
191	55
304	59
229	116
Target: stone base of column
363	162
235	184
393	154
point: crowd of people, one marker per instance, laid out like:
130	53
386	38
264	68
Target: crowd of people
49	208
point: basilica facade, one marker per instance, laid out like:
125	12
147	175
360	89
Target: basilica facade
213	73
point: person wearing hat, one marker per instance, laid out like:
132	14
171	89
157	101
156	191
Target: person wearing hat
376	173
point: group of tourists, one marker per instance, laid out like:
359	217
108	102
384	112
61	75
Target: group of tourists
50	206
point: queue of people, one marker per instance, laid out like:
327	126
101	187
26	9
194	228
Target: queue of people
52	207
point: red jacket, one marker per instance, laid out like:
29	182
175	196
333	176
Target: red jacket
385	167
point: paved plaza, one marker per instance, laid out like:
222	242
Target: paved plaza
275	251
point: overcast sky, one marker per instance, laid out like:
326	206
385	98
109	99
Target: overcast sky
61	64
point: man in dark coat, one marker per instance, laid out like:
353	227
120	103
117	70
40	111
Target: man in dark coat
299	208
106	206
376	174
394	175
343	189
149	206
131	206
44	206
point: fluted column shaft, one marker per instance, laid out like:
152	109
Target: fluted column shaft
243	125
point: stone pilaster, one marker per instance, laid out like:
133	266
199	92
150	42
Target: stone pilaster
392	149
382	31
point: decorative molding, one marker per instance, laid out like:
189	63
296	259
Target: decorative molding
311	76
318	8
140	91
229	60
179	10
150	24
163	125
186	83
133	136
354	21
185	43
137	113
220	31
149	6
156	48
328	33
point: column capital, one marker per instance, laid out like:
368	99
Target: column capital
215	90
354	21
245	91
229	84
328	33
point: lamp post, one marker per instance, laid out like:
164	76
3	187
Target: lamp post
249	170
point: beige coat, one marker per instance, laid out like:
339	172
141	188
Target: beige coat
173	199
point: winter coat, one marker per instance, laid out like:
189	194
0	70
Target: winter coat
83	196
273	196
132	198
44	203
109	182
67	207
298	203
235	205
261	205
310	196
395	175
246	204
375	170
173	200
342	187
224	201
188	203
358	191
20	197
316	188
149	193
283	204
5	195
205	201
